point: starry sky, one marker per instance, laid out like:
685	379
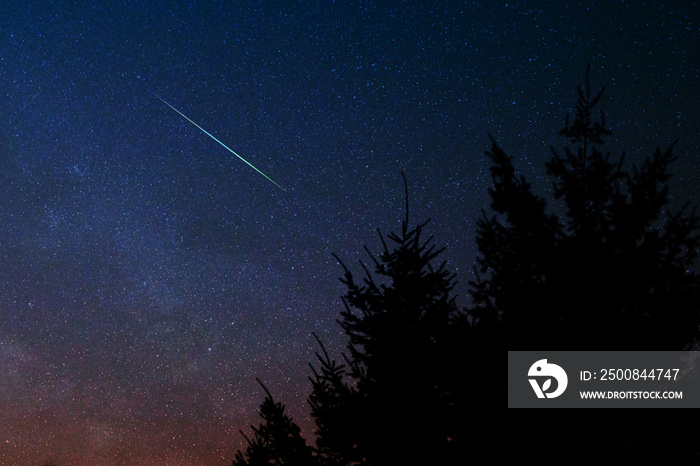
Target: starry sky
148	276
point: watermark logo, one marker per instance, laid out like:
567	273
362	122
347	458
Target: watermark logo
546	372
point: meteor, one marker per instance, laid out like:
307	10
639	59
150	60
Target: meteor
225	146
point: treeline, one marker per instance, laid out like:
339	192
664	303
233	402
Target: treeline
422	380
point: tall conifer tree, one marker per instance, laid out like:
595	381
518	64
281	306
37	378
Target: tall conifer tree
616	273
402	399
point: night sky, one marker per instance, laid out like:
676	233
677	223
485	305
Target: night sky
148	276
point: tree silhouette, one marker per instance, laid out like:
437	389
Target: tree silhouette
277	441
404	358
617	273
335	407
398	396
602	266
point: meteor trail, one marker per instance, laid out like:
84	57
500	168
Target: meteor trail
225	146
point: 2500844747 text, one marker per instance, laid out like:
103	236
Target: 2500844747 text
630	374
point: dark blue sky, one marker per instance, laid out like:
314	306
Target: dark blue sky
147	275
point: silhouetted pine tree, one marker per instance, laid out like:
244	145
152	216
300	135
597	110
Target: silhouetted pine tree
402	400
618	273
277	441
336	408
